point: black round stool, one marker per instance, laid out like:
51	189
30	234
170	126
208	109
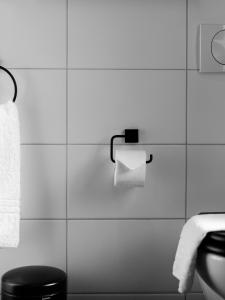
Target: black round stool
34	282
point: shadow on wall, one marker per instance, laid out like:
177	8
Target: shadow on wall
91	181
34	162
28	110
123	253
99	165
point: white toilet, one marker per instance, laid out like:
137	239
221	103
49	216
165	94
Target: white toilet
211	265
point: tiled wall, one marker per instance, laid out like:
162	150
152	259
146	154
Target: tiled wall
87	69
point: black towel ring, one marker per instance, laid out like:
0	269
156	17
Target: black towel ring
14	82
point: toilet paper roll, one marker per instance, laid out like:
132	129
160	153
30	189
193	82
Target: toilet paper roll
130	168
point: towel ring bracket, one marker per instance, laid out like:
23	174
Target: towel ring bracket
14	82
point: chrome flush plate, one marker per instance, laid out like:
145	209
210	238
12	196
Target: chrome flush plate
212	48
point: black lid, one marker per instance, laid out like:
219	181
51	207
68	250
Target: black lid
214	242
34	280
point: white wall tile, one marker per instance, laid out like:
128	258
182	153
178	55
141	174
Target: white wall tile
43	181
41	243
201	12
104	103
122	256
127	34
42	105
91	193
126	297
206	107
33	33
110	255
206	173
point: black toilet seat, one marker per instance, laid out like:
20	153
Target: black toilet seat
214	242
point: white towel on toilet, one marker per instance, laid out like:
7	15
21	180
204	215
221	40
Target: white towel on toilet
191	236
9	175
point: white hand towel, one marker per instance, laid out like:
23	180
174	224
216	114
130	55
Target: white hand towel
192	234
9	175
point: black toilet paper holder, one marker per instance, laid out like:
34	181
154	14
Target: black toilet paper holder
131	136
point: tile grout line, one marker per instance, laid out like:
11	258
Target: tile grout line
99	69
122	144
186	121
186	114
105	219
67	20
100	144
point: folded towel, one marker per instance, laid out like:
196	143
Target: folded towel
9	175
192	234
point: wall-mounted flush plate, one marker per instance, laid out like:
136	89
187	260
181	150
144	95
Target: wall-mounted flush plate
212	48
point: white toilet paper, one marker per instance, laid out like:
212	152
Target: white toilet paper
130	168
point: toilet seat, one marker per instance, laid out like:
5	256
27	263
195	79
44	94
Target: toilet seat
211	265
214	242
209	293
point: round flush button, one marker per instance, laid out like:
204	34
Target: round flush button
218	47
